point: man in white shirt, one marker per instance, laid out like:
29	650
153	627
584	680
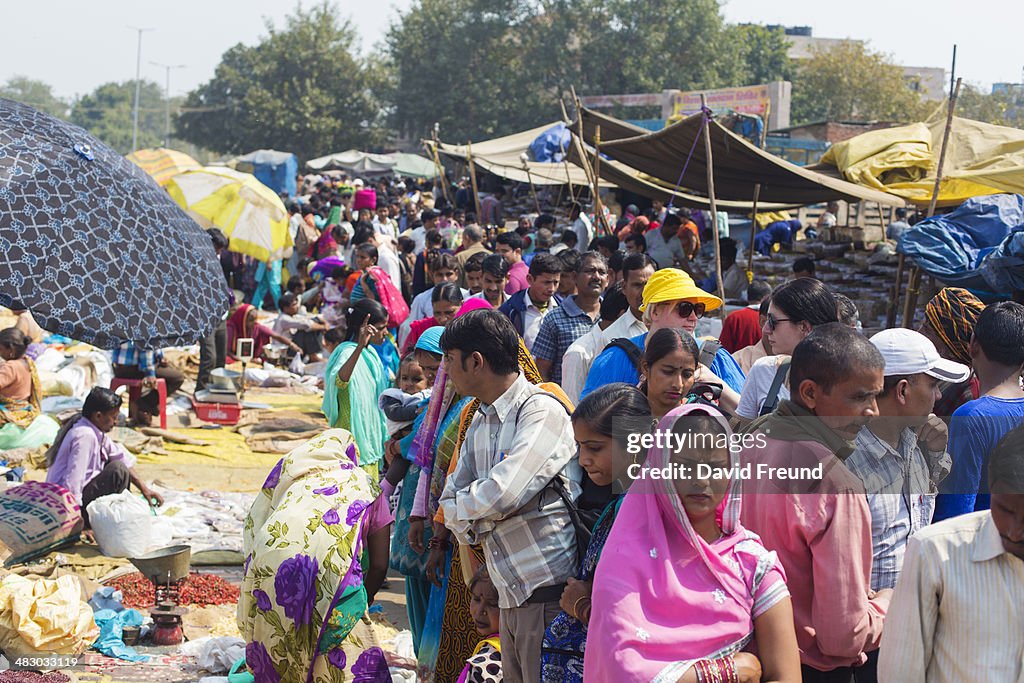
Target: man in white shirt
382	222
637	269
957	611
581	226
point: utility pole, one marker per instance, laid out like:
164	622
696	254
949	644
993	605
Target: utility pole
138	85
167	99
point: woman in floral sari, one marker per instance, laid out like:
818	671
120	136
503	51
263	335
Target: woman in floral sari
354	378
22	422
316	545
682	589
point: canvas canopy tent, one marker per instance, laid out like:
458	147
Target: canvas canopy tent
503	157
739	165
981	159
274	169
413	165
632	180
354	161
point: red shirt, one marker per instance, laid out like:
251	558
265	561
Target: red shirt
741	329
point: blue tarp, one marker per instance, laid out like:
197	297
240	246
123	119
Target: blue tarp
978	246
274	169
551	145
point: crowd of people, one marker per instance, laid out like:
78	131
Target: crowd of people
485	389
490	391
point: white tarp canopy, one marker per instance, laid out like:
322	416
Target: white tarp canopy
504	157
354	161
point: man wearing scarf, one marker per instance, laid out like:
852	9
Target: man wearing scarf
821	529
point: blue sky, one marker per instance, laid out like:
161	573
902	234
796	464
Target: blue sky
76	45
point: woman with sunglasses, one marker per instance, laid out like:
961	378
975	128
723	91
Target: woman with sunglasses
796	308
670	300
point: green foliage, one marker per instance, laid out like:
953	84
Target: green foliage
34	93
301	89
481	68
1003	108
848	82
106	112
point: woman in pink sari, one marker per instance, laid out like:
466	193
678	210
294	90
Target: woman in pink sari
682	589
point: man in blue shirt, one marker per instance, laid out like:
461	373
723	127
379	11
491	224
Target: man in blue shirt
671	299
997	356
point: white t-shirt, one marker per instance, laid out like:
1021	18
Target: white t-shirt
758	382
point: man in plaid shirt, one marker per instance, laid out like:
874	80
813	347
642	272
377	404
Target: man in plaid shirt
131	362
901	455
500	495
573	318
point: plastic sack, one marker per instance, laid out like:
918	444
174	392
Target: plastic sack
107	598
297	366
35	518
215	655
45	616
124	526
111	639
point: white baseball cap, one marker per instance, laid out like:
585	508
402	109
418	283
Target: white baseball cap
910	353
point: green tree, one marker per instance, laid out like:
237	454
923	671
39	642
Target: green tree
301	89
486	67
761	54
34	93
848	82
106	112
1004	108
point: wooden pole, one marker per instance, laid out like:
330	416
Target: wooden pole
472	178
711	199
894	301
533	190
753	204
565	159
598	209
914	284
440	169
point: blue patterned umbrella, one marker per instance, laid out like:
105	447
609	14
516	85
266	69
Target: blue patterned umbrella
93	246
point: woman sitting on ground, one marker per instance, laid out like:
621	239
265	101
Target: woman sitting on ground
682	589
22	422
85	461
243	325
316	545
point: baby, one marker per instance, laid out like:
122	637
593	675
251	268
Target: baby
402	404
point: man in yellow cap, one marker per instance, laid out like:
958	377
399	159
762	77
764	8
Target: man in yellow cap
671	299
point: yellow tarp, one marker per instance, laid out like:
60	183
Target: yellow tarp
981	159
44	616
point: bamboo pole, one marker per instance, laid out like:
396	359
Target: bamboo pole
472	178
529	177
598	208
711	199
565	159
440	168
753	207
914	284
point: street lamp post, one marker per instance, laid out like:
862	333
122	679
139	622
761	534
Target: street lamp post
167	99
138	85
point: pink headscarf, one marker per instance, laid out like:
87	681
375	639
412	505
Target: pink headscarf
472	305
663	597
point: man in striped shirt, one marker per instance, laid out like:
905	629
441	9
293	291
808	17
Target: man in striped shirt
500	495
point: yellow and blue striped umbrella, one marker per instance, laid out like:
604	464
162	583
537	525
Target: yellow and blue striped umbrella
249	213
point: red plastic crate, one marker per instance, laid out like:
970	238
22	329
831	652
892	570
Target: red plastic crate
218	413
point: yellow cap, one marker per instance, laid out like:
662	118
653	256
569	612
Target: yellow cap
672	284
